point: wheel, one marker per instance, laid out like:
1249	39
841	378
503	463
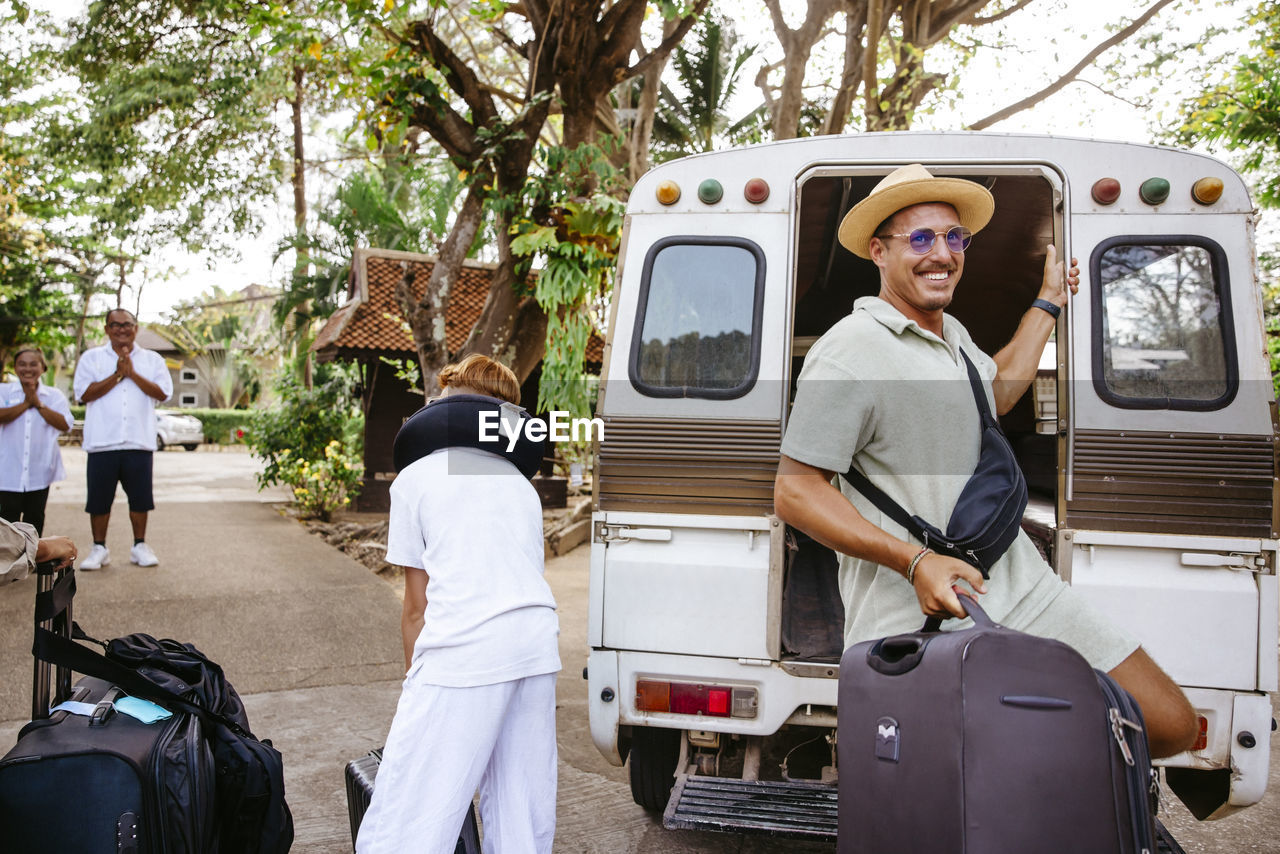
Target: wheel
654	754
159	442
190	446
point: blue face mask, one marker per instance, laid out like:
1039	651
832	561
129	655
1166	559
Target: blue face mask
143	710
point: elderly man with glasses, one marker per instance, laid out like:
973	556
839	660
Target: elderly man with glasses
886	394
119	383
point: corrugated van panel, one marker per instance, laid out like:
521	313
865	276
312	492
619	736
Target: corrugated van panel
1172	483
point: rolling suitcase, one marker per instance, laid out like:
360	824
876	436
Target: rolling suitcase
360	776
987	741
103	782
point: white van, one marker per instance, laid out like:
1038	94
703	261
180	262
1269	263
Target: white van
1148	444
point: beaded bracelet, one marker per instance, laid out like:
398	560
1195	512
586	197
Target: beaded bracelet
915	561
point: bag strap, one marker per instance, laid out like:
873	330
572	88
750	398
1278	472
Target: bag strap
65	652
887	505
979	393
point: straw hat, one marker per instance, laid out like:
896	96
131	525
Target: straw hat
907	186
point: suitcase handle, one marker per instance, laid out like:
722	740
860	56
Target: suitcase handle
970	606
898	654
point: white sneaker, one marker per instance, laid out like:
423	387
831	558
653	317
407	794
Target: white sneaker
142	555
98	557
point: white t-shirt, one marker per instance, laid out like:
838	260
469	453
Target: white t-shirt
29	455
474	524
125	417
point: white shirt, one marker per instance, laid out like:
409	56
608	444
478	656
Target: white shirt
472	521
125	417
29	454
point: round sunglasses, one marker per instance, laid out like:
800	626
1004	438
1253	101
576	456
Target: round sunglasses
921	240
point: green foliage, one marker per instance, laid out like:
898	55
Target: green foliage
708	68
303	421
576	237
37	272
396	201
1242	112
322	485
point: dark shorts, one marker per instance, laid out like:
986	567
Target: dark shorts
25	507
130	469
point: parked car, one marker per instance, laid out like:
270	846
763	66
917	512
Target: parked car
178	428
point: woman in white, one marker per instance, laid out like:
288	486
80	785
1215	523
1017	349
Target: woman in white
32	415
478	707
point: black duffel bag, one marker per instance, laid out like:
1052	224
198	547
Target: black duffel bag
252	816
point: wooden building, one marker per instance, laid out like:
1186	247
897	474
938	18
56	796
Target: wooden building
369	328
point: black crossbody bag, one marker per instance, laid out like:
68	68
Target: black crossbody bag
988	514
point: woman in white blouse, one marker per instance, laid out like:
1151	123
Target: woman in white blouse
32	415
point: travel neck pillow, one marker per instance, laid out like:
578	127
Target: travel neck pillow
458	421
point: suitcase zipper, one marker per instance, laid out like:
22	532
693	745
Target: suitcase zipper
1144	842
1118	723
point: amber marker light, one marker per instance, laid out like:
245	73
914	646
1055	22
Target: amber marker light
1206	191
756	191
668	192
1154	191
1105	191
710	191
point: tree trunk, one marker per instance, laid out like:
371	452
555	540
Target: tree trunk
302	263
855	24
797	44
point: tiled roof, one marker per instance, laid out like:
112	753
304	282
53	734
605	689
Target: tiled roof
372	321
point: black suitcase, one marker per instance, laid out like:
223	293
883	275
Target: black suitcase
988	741
107	783
360	776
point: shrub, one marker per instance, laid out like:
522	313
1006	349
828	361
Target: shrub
304	421
220	425
323	485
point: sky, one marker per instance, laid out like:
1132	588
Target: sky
1054	34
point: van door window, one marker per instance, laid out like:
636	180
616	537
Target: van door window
698	324
1162	326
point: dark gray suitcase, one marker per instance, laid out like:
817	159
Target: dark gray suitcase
361	774
988	741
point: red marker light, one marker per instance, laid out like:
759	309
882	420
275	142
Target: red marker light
1105	191
756	191
1202	738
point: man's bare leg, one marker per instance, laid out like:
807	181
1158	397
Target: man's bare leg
1171	721
139	522
98	526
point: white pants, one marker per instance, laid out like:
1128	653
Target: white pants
447	742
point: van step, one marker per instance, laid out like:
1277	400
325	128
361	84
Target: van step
796	810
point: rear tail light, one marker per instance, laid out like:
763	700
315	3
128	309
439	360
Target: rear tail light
1202	738
690	698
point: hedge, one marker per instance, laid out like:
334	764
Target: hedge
219	424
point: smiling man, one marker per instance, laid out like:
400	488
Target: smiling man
119	383
888	390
